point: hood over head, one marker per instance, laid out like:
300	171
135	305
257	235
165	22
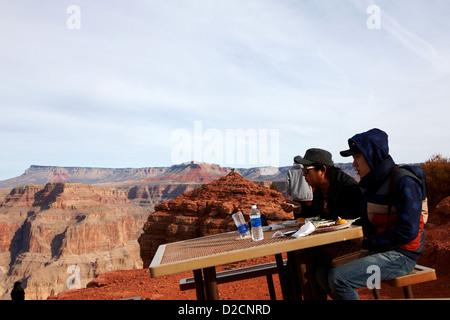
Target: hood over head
372	144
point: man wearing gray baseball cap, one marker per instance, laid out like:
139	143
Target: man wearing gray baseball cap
335	193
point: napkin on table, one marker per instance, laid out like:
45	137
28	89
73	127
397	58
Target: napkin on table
306	229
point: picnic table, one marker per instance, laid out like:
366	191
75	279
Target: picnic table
204	254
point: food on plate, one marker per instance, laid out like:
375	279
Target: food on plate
325	225
338	222
341	221
300	221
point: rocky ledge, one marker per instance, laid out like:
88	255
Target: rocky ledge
207	210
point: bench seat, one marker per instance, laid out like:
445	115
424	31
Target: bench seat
420	274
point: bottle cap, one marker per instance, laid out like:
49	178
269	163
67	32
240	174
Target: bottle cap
254	206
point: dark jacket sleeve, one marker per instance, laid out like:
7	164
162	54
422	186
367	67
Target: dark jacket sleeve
344	197
349	202
408	202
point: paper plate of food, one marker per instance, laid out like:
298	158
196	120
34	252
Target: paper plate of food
334	225
301	221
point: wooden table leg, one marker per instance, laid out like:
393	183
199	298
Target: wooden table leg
211	291
199	287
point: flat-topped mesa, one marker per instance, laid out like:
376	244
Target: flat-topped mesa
207	210
192	172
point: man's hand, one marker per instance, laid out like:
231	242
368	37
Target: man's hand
289	206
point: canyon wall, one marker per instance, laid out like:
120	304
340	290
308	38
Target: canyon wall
45	229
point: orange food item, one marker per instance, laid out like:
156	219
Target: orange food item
301	220
341	221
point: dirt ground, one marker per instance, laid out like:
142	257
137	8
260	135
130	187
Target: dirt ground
137	283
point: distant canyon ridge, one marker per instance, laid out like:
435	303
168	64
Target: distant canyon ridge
190	172
61	224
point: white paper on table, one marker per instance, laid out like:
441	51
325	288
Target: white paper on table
306	229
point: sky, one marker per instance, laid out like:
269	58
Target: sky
239	83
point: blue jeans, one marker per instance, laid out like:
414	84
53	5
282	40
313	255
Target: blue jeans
340	282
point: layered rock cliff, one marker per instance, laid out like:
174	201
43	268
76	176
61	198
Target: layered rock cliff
207	210
185	173
151	195
49	230
191	172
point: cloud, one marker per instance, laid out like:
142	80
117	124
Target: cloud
414	43
114	91
407	38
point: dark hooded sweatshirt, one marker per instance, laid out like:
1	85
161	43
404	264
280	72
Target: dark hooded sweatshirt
403	228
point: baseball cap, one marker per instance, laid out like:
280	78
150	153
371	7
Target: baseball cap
315	156
352	151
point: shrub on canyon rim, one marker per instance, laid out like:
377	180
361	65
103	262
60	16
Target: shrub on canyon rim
437	172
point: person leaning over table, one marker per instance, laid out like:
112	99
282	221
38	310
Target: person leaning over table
395	239
297	188
335	193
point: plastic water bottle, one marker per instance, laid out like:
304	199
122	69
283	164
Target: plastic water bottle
241	225
255	219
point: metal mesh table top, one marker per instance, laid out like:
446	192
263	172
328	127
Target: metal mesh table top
227	247
215	244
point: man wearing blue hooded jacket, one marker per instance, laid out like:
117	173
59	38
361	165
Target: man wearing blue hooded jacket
391	216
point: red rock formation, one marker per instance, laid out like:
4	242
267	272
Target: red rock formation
150	195
437	239
21	196
45	229
191	172
207	210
